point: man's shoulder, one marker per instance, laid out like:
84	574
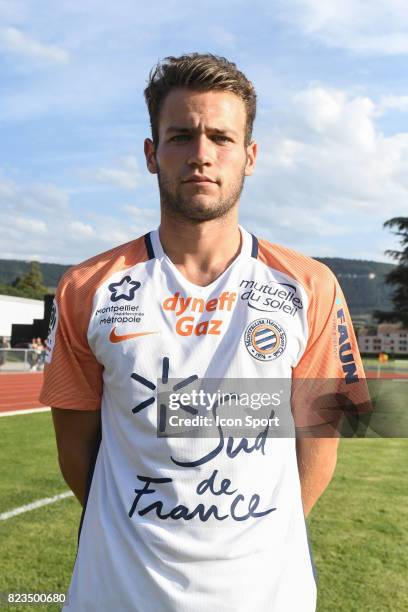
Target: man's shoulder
93	271
300	267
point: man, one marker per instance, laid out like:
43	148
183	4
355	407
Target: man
193	523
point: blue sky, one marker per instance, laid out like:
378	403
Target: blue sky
332	117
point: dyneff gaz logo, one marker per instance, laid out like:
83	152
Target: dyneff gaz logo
265	340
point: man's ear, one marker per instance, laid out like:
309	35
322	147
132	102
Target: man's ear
252	151
150	154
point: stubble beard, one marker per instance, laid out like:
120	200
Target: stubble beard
181	207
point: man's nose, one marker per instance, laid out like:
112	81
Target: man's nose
201	150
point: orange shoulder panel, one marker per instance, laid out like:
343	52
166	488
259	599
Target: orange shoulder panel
316	279
330	368
73	378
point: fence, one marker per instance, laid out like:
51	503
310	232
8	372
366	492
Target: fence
20	360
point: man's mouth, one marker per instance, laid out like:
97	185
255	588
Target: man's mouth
199	179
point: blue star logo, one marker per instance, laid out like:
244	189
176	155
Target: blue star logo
124	290
164	379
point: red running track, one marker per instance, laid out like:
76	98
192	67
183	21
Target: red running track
20	390
386	375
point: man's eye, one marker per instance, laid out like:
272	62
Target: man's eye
220	138
180	138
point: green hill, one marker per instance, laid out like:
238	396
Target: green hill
11	268
362	281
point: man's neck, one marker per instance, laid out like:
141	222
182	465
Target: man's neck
201	252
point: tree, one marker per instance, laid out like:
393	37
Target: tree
398	275
31	284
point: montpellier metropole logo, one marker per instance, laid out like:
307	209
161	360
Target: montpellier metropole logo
265	340
124	289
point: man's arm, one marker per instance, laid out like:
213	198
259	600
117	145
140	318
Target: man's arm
77	435
316	458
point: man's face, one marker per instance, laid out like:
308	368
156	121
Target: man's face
201	158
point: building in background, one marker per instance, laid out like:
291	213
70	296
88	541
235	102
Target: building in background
21	333
22	319
388	338
18	310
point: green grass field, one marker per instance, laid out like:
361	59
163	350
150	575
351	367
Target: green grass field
358	529
391	364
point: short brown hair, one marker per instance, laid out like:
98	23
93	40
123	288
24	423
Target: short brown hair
199	72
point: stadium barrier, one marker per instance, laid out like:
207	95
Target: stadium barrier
21	360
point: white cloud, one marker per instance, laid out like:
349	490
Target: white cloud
325	168
125	174
336	116
45	196
29	226
38	198
13	40
376	26
390	102
141	219
7	190
51	229
326	173
327	149
81	229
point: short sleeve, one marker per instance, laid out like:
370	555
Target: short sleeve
329	378
72	375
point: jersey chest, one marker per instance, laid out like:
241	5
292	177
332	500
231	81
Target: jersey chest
252	323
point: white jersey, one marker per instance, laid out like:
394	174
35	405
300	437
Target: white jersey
192	523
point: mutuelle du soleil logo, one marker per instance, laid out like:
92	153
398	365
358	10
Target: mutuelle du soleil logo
124	289
271	297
